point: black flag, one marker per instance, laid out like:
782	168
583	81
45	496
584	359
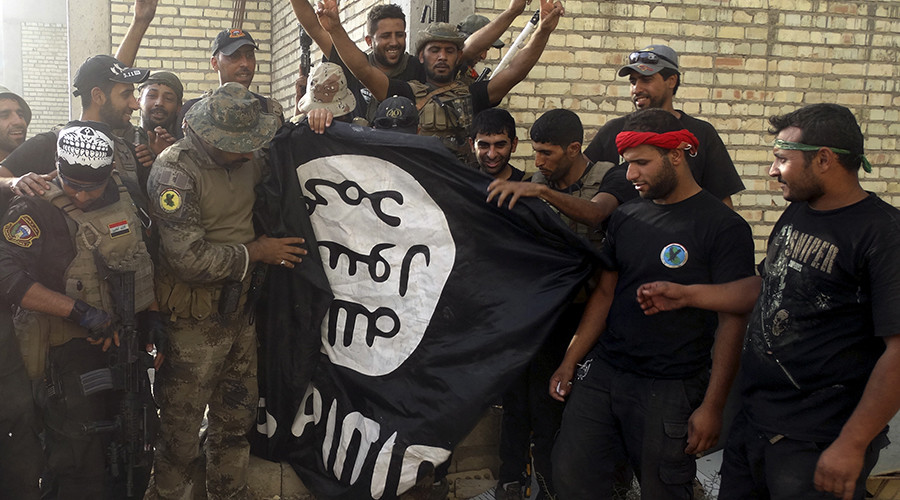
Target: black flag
417	305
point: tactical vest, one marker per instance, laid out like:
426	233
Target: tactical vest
222	223
446	113
114	232
586	188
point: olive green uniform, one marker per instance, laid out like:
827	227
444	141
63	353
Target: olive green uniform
204	215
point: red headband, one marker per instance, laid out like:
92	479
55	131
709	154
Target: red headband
668	140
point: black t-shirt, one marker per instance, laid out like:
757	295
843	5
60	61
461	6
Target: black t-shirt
697	240
37	155
712	167
516	175
615	183
831	280
409	69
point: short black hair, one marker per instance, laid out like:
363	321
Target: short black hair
558	126
105	86
384	11
652	120
825	125
665	73
493	121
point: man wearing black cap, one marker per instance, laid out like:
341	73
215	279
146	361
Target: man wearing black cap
203	195
106	88
234	59
51	252
160	101
446	104
655	76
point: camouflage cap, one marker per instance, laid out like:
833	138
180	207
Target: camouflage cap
165	78
473	23
327	88
231	119
439	32
5	93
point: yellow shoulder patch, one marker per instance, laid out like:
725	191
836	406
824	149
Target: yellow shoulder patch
22	232
170	200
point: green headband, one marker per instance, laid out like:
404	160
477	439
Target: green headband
796	146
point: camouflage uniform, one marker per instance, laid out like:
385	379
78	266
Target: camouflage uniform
204	214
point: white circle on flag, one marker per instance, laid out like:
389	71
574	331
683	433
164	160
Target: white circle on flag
387	251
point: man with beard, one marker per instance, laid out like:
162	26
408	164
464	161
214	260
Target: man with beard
106	88
821	361
15	115
386	37
655	77
160	99
446	104
492	137
647	387
584	194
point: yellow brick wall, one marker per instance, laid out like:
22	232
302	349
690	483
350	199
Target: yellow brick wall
180	37
742	61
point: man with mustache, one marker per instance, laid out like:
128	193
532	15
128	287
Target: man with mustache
234	59
652	388
655	77
15	115
106	88
386	37
446	103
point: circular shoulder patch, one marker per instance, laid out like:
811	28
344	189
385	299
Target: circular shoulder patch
674	255
170	200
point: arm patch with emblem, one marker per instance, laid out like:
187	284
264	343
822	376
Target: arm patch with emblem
22	232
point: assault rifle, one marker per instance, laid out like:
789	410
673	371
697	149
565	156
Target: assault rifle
134	427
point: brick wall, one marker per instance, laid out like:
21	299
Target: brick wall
742	61
44	79
286	45
180	37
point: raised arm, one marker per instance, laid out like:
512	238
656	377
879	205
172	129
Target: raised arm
307	18
505	80
482	39
144	10
355	59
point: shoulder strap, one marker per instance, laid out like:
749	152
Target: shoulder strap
420	103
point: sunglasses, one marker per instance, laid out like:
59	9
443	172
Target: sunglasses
648	58
82	186
387	122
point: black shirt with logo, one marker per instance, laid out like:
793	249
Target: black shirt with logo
697	240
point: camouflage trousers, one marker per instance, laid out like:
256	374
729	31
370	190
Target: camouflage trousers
209	362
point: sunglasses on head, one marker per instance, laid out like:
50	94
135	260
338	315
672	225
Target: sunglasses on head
648	58
387	122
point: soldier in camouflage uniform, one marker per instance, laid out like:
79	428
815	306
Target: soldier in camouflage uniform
65	319
203	192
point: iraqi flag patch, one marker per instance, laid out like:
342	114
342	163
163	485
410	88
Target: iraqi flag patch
120	228
22	232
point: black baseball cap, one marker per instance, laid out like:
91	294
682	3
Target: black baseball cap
397	113
231	39
97	70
